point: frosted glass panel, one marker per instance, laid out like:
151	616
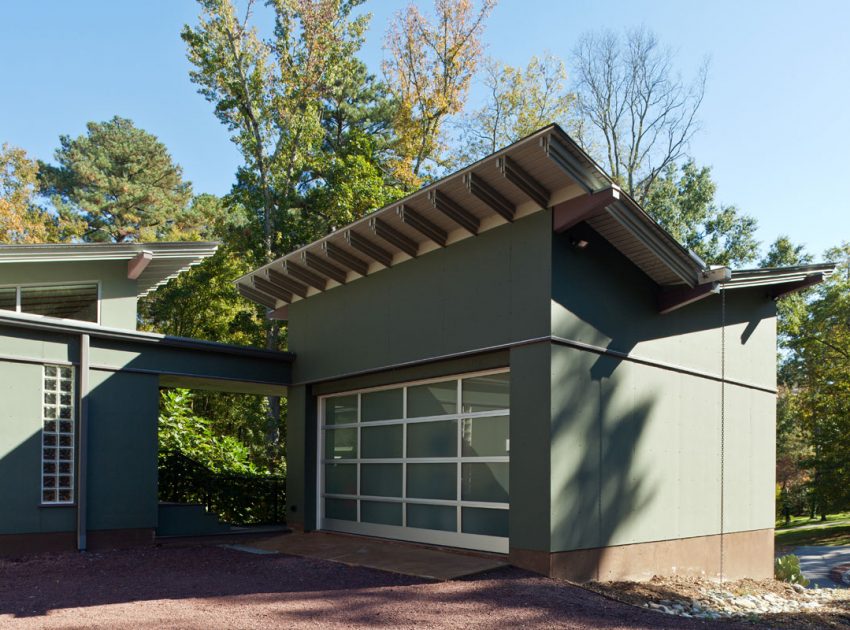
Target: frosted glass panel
484	521
386	404
380	480
486	393
485	482
341	478
341	410
442	517
432	481
432	439
434	399
486	437
380	512
342	509
341	444
382	441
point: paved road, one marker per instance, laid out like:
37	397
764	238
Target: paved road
816	562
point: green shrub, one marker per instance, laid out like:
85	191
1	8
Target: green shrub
787	569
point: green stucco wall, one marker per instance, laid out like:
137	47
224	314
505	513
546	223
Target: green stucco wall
636	448
118	294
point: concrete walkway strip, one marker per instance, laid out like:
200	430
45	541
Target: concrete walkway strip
422	562
817	561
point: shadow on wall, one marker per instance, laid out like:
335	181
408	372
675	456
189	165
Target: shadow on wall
598	486
600	297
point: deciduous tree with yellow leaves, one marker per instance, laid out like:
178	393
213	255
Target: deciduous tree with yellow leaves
429	68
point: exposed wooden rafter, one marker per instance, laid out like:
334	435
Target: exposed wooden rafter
453	210
532	189
426	228
286	283
489	195
256	296
573	211
306	276
324	267
263	285
365	246
339	255
392	236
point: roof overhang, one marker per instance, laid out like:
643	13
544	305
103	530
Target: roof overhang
544	170
780	281
150	264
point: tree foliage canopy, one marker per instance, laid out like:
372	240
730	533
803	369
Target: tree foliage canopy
429	68
682	201
121	182
21	220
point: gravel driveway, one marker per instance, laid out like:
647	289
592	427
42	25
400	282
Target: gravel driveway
213	587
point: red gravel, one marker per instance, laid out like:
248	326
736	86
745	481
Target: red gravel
212	587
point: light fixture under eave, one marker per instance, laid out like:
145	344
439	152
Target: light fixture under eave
579	243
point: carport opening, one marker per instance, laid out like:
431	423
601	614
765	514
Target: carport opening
220	466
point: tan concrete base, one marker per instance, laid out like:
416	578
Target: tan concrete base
21	544
745	554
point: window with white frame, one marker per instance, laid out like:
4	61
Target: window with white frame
77	301
57	435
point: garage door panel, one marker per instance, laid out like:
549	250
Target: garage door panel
423	461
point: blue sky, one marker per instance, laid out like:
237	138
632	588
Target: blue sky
775	121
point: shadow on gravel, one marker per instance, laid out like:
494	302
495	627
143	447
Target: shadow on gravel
296	590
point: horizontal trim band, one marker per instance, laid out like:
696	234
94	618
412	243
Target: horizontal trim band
578	345
48	324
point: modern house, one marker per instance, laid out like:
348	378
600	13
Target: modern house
518	359
79	391
514	359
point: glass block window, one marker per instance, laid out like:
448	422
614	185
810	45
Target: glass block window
57	435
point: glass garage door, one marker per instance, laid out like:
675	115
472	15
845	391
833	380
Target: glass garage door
425	461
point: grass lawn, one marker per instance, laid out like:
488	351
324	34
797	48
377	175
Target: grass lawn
830	534
797	521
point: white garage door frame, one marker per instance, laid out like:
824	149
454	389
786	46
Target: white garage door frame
457	538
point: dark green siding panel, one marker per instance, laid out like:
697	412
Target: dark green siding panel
530	431
484	291
209	365
301	445
122	469
599	297
20	454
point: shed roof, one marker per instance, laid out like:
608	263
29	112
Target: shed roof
151	264
546	169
